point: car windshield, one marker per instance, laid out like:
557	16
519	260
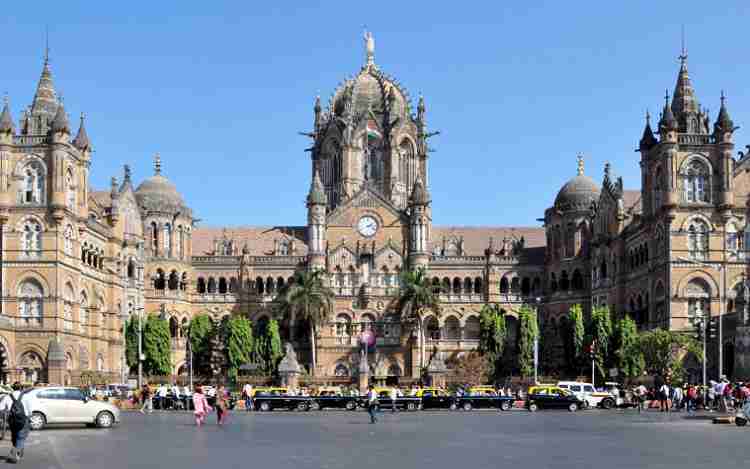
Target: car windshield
575	388
588	388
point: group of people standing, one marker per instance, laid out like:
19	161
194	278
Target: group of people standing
719	396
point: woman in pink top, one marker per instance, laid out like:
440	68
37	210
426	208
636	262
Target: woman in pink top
200	404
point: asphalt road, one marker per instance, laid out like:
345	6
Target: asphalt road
435	440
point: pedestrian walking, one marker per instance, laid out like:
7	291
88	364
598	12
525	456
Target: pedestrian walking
146	399
692	398
664	398
222	405
394	397
16	407
372	404
200	404
677	397
247	394
640	395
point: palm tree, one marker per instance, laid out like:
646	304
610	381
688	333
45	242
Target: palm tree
416	296
307	297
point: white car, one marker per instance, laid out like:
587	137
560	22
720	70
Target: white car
587	393
54	405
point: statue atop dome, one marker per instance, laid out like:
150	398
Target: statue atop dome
370	47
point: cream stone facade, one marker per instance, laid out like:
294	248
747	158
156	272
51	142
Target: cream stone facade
77	262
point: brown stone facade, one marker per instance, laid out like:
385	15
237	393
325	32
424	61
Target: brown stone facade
76	262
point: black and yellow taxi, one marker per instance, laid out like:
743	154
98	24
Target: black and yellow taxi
267	399
552	397
435	398
484	397
402	402
333	397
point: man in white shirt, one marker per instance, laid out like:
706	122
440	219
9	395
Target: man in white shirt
394	397
247	391
372	404
664	398
18	434
640	394
161	393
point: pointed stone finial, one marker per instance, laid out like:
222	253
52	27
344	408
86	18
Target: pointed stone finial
317	195
113	185
157	164
60	122
723	123
419	195
579	171
126	173
647	139
6	121
82	139
606	169
369	47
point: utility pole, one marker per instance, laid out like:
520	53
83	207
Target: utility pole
140	346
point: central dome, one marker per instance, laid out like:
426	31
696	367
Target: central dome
578	193
370	89
157	193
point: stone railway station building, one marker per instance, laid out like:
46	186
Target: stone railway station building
75	262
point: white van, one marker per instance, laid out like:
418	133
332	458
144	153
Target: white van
587	393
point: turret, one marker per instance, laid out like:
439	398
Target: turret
7	129
647	139
82	141
316	223
668	125
60	128
723	127
419	225
723	130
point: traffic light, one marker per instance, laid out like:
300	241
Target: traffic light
713	325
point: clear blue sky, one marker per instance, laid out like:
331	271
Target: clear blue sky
221	89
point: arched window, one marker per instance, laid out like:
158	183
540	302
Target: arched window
553	282
525	286
154	238
174	280
183	281
695	182
471	328
69	299
577	280
452	329
432	328
32	238
168	240
201	286
343	325
222	285
341	370
99	362
280	283
284	247
70	190
160	281
68	240
456	286
659	188
698	293
270	287
446	286
232	285
515	285
732	238
698	239
32	191
536	285
131	269
211	285
367	322
83	316
180	242
173	327
259	286
564	282
504	285
30	305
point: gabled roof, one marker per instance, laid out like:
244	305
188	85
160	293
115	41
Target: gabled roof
259	239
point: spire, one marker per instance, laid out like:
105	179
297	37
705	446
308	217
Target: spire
6	121
45	99
723	121
157	164
126	174
60	122
369	48
317	110
648	139
317	195
667	122
419	195
82	139
113	187
579	171
684	102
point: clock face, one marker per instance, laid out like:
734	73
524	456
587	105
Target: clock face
367	226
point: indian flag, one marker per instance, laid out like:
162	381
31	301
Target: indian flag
372	131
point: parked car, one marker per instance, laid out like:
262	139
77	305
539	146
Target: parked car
268	399
587	393
552	397
53	405
436	398
333	398
401	402
484	397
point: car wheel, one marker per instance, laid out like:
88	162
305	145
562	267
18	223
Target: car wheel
740	422
301	406
607	404
265	407
314	405
411	407
105	419
467	406
37	421
573	407
453	406
533	407
505	406
351	405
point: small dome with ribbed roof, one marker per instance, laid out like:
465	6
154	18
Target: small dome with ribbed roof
578	193
157	193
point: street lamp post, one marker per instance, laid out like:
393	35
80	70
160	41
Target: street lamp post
537	300
699	320
140	346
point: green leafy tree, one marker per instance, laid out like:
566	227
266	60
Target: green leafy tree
528	334
493	332
275	351
240	343
200	334
628	357
157	347
307	297
131	342
548	348
417	296
574	336
600	334
664	352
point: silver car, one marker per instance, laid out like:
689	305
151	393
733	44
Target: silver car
54	405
